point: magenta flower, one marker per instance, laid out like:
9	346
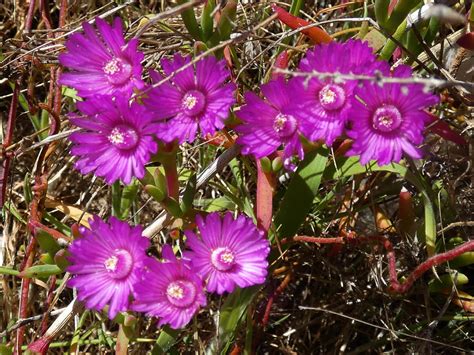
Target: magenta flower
268	124
228	253
326	104
390	120
117	141
101	62
106	263
194	98
169	290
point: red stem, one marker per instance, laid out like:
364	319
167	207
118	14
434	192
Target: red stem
44	321
53	107
44	8
29	16
316	34
35	225
62	13
25	287
5	169
395	285
281	62
266	183
283	285
171	173
304	238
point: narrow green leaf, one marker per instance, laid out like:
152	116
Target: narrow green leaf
158	194
129	194
218	204
27	192
446	281
207	22
188	195
41	271
400	13
231	314
381	11
61	227
47	242
44	123
390	46
11	207
463	260
189	19
433	29
301	192
8	271
296	7
116	198
165	341
172	206
225	24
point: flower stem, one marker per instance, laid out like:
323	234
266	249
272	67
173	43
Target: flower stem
266	182
7	141
116	199
171	173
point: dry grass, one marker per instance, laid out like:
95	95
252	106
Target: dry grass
329	300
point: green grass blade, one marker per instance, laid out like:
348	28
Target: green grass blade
301	192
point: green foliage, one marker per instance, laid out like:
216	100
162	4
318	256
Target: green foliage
231	314
446	281
301	192
189	20
41	271
165	341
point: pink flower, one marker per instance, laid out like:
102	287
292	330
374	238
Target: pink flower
195	98
101	62
106	263
229	252
169	290
390	120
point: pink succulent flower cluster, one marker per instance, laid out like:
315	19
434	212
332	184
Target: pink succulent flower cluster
110	266
384	121
119	133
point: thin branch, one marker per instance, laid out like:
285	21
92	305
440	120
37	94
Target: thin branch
47	43
379	79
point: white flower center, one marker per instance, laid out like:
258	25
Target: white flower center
279	122
327	96
111	263
227	258
222	258
385	121
112	66
284	125
332	97
175	291
116	136
190	101
387	118
123	137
